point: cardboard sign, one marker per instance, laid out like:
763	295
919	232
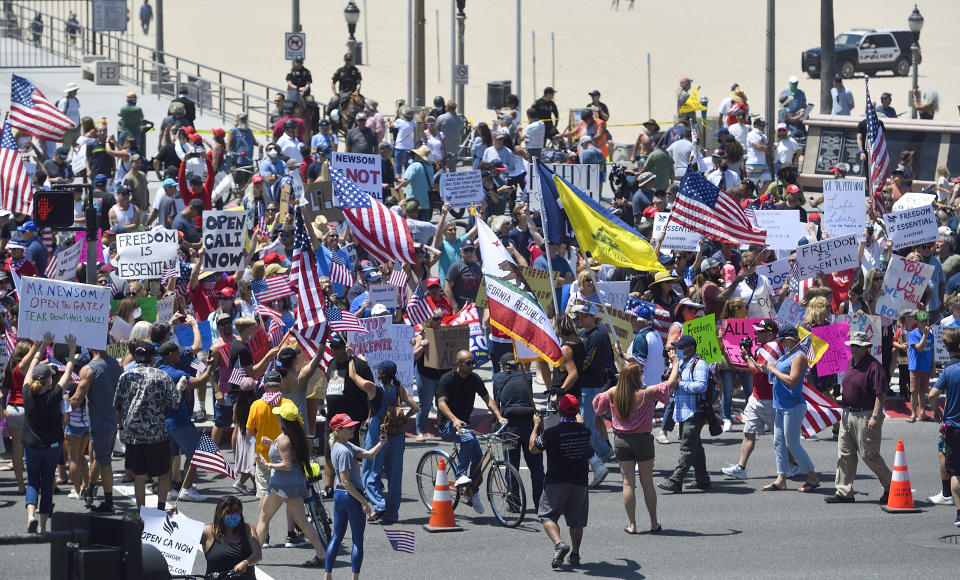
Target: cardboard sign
912	227
165	307
363	169
462	189
791	313
443	344
784	229
118	350
777	272
318	199
67	261
64	308
732	331
616	293
622	331
838	353
903	285
177	537
539	281
677	237
844	206
704	329
871	324
223	240
283	204
940	353
913	199
383	294
385	341
481	300
146	254
827	256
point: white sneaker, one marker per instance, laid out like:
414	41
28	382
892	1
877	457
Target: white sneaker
476	504
73	494
727	425
190	494
173	495
600	471
734	471
463	480
940	499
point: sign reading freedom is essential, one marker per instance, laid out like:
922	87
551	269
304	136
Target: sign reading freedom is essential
903	285
677	237
912	227
361	168
64	308
704	330
223	240
827	256
177	537
844	206
146	254
462	189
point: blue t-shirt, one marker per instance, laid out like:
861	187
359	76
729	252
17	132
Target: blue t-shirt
953	285
449	256
180	416
919	360
560	266
357	303
949	385
594	156
935	280
784	397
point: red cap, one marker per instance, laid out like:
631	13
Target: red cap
257	179
792	188
218	132
227	292
650	212
272	258
196	138
955	180
568	405
813	217
765	198
341	420
189	130
433	281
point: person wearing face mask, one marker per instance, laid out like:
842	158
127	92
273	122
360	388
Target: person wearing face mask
240	142
722	176
273	167
230	544
131	116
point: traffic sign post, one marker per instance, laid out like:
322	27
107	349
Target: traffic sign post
295	45
461	74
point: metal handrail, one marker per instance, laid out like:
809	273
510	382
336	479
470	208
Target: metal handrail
214	90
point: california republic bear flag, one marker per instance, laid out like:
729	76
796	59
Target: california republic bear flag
513	307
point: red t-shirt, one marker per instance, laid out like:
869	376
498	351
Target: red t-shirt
26	269
16	387
203	300
840	283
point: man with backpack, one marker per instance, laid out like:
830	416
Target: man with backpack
696	389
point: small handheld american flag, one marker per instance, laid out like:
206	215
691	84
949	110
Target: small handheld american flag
271	288
208	456
236	374
400	540
419	308
339	273
341	321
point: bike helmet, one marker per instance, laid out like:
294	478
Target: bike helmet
438	101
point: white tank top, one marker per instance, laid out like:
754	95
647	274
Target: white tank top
124	218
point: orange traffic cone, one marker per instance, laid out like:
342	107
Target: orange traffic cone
900	500
441	515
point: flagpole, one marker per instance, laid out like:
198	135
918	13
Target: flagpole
867	170
546	234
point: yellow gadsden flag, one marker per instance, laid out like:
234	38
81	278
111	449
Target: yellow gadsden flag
692	104
608	239
814	346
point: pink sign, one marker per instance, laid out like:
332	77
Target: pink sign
835	359
732	331
81	238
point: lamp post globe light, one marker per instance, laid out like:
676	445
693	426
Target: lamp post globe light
352	15
915	22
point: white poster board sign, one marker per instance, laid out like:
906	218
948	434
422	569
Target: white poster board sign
903	285
386	341
165	307
777	272
827	256
784	228
385	294
616	293
67	261
790	313
462	189
146	254
940	353
361	168
844	206
223	239
913	199
64	308
177	537
912	227
585	176
871	324
677	237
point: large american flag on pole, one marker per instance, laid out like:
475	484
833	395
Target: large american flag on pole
16	188
208	456
703	208
311	341
383	233
877	146
33	114
304	277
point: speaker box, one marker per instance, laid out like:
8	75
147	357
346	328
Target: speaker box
497	92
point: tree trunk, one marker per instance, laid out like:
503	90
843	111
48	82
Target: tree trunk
827	54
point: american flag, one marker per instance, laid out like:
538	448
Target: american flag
16	189
61	367
341	321
311	341
383	233
662	320
879	159
10	337
263	233
169	273
271	288
304	276
821	411
267	312
419	308
400	540
339	273
769	352
33	114
275	332
398	277
52	265
198	365
236	374
702	207
208	456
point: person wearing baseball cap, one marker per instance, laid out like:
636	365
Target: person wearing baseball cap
786	150
920	364
595	103
594	378
547	111
436	297
565	491
647	347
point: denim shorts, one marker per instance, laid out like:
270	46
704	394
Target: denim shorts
184	440
223	414
72	431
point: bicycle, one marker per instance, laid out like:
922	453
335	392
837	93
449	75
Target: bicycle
505	490
316	513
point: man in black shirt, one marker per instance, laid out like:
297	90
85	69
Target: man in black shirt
361	139
565	487
455	394
513	392
348	78
57	168
299	78
547	111
602	111
598	370
190	109
185	223
464	276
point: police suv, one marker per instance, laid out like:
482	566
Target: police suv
866	50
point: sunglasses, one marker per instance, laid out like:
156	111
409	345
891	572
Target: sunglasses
272	209
468	363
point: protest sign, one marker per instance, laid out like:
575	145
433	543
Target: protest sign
148	307
363	169
827	256
478	344
165	307
940	350
64	308
296	184
903	285
585	176
176	536
844	206
383	294
871	325
616	293
81	238
4	359
704	329
732	331
443	344
677	236
385	341
462	189
838	352
481	300
118	350
784	228
146	254
351	253
223	240
913	199
185	335
622	331
539	281
67	261
790	313
777	272
912	227
120	329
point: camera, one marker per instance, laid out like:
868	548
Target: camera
746	343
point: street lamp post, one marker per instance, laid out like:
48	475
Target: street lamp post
461	17
915	22
352	15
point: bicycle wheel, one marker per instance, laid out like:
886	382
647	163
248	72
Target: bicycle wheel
318	514
427	477
505	493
